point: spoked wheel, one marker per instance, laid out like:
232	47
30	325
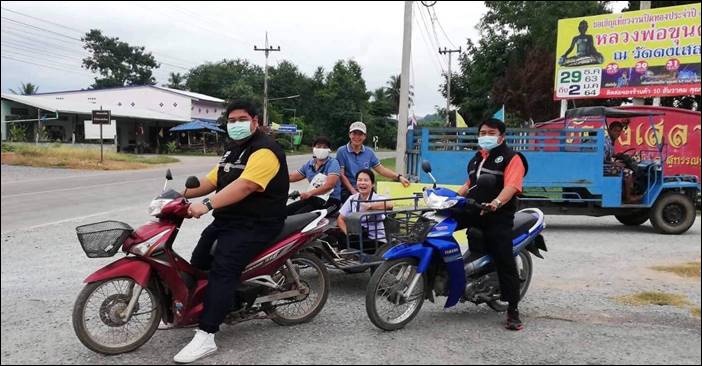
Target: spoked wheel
386	305
524	270
98	316
314	279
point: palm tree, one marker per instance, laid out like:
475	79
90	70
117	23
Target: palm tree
394	92
26	89
176	81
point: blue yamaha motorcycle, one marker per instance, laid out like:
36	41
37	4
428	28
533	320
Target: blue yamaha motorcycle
434	266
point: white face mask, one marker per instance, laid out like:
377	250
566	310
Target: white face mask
320	153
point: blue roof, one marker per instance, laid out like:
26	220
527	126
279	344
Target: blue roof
196	125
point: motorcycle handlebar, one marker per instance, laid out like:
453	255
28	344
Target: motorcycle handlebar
294	195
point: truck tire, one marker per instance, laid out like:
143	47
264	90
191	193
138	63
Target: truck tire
672	213
635	218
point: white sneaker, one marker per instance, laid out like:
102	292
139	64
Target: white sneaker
163	325
203	344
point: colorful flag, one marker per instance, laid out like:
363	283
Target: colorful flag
500	114
460	122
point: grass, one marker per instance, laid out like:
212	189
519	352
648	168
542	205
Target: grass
654	298
691	269
61	156
388	163
695	312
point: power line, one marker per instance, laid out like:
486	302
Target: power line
81	41
208	20
40	28
433	27
42	20
434	62
442	28
7	43
39	33
434	45
429	44
42	65
34	41
43	59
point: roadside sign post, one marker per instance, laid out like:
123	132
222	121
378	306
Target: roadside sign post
101	117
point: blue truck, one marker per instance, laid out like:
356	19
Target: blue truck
568	172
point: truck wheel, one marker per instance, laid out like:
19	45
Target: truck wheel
673	213
635	218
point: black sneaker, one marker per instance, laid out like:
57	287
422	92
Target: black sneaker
513	322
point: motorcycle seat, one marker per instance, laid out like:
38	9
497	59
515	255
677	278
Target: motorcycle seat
523	221
292	224
295	223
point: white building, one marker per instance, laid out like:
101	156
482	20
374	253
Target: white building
142	114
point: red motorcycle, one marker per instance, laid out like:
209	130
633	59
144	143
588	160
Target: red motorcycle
123	303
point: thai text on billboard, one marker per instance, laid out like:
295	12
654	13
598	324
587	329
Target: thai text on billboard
646	53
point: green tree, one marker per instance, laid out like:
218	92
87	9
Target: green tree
286	80
176	81
393	91
513	63
117	62
227	79
26	89
381	104
342	100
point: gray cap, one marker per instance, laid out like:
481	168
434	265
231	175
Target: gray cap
358	126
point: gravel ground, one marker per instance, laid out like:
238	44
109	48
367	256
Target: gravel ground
569	314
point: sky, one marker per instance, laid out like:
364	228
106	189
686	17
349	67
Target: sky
182	35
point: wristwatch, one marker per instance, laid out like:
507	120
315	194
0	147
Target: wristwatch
398	177
208	204
499	203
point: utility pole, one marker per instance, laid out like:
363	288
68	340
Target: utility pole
404	92
267	50
448	86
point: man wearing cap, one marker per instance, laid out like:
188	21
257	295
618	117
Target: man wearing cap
355	156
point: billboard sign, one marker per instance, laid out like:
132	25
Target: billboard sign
637	54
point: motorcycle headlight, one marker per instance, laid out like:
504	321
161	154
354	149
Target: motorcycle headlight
437	202
156	205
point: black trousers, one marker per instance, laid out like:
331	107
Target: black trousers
497	240
313	203
238	242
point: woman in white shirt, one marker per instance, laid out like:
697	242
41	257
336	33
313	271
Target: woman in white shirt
373	229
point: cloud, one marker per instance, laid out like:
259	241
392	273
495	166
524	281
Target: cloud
310	34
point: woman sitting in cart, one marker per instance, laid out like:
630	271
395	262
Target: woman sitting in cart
372	225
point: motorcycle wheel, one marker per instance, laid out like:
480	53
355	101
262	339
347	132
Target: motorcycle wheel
313	274
525	270
96	319
385	308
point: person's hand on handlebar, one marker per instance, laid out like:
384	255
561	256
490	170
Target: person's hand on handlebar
305	195
197	209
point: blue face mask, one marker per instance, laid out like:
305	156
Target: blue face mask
488	142
239	130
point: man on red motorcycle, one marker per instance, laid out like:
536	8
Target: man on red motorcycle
251	184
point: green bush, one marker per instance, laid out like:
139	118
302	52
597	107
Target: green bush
18	133
171	147
7	147
284	143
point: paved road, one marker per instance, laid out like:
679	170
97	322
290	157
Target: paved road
33	198
569	312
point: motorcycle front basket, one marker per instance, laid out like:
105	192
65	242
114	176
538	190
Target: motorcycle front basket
103	239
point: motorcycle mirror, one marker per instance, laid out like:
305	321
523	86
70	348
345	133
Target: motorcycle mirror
169	176
426	166
192	182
